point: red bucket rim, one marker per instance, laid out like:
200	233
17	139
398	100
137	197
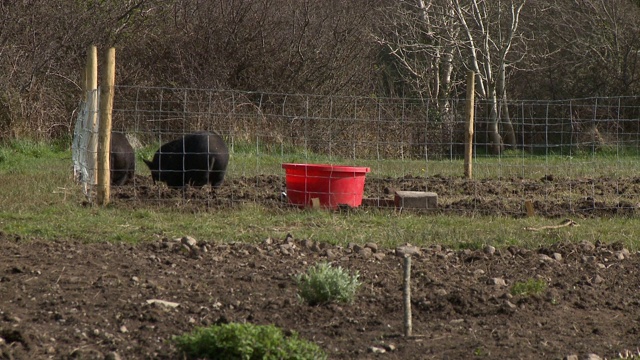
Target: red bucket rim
327	167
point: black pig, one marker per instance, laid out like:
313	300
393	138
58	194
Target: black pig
195	159
122	159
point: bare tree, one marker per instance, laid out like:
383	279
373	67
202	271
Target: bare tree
429	39
268	45
490	36
595	46
421	37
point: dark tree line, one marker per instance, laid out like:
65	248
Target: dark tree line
560	49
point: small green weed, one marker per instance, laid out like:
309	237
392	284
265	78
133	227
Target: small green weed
323	283
245	342
480	352
529	287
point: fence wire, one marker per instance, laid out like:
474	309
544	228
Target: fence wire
85	141
566	156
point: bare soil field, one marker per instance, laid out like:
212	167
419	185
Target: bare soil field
70	300
550	196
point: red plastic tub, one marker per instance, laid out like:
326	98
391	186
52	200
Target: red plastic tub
333	185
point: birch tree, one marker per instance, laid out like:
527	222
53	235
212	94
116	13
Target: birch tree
420	36
432	40
490	29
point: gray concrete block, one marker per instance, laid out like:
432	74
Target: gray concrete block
416	200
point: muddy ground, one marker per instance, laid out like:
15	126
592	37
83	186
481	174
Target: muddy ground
70	300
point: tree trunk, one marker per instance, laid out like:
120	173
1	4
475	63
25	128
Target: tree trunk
494	132
510	134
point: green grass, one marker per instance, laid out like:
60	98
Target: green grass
246	342
39	199
252	159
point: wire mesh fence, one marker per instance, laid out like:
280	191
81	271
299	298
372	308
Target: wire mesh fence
84	146
577	155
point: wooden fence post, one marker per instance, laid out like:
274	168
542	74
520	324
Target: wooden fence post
468	143
106	107
406	294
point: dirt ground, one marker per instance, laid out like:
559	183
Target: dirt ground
70	300
550	196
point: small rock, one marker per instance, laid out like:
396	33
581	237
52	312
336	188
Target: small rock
489	250
544	257
189	241
497	282
478	272
379	256
376	350
389	347
621	255
163	303
112	356
509	305
557	256
259	250
372	246
592	357
597	279
123	329
589	259
285	249
365	252
268	241
571	357
587	246
330	254
440	292
506	296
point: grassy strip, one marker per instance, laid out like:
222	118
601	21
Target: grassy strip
39	199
